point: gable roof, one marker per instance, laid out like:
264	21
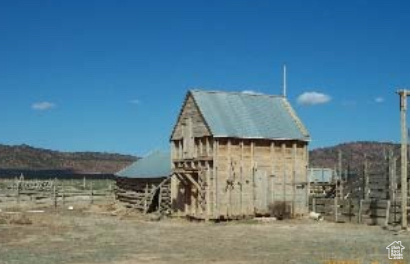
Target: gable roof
155	165
244	115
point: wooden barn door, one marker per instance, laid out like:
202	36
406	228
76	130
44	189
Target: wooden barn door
261	192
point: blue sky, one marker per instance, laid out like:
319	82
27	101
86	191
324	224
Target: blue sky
111	75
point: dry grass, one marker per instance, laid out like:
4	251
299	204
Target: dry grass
92	235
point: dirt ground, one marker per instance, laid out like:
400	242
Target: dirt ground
103	234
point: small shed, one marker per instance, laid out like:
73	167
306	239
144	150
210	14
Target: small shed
320	175
236	155
145	184
321	181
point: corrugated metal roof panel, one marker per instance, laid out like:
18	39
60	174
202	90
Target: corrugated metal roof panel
155	165
245	115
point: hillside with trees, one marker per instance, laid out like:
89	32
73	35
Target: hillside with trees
25	157
353	155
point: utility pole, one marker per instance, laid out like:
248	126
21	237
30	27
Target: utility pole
284	81
403	108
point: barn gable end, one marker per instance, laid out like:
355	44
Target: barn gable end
190	118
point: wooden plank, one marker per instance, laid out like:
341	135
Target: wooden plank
387	214
294	162
215	177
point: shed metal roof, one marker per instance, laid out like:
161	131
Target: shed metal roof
155	165
245	115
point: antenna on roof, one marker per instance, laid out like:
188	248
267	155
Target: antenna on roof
284	80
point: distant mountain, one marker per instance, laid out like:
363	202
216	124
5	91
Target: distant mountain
24	157
353	155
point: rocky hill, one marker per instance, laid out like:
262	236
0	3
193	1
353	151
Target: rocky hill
353	155
24	157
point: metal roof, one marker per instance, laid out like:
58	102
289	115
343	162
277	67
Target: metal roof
244	115
155	165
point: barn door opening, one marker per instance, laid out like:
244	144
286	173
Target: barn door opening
191	193
262	194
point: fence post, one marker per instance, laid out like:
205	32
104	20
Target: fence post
62	193
314	204
113	193
159	199
340	174
18	191
336	209
366	179
91	192
145	199
55	194
360	211
84	183
387	213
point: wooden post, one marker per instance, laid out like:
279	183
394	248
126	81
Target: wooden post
386	223
62	192
340	174
253	165
272	179
335	205
208	192
84	184
390	175
284	181
159	199
91	192
230	178
360	211
394	184
241	181
366	190
18	191
403	108
306	158
145	199
293	179
314	204
215	150
55	194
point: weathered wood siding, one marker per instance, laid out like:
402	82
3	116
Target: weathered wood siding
186	198
242	177
190	116
254	174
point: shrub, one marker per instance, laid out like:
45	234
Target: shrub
280	210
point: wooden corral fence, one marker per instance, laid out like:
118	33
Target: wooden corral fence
55	191
373	181
145	195
371	212
369	195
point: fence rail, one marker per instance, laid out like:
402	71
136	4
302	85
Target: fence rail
372	212
55	191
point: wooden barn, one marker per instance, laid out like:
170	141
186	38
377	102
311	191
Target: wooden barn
145	184
238	155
